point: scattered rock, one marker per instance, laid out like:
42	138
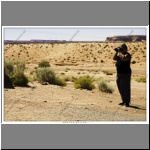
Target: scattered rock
45	83
86	108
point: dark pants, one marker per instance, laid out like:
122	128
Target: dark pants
124	83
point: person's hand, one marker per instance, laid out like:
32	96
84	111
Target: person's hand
115	49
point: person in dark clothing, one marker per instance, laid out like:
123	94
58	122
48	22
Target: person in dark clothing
123	58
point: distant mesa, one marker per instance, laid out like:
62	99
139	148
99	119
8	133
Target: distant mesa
33	41
129	38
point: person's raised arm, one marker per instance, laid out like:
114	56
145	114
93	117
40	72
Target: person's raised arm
115	56
124	57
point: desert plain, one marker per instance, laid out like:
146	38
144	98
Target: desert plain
52	103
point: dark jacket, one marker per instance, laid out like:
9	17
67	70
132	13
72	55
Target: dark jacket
123	63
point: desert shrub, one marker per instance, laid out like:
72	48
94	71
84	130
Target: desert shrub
142	79
133	62
107	73
62	73
48	75
19	79
20	65
44	64
84	82
104	87
9	67
60	82
16	73
67	78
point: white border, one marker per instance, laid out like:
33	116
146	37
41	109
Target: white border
81	122
76	0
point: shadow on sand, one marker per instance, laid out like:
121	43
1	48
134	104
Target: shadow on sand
136	107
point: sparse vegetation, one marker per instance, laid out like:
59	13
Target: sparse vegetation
48	75
142	79
20	65
107	73
60	82
104	87
19	79
43	64
62	73
73	55
45	75
84	82
67	78
9	67
73	79
133	62
16	73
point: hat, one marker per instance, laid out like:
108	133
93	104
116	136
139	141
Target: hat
124	46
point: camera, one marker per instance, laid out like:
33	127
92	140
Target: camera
116	49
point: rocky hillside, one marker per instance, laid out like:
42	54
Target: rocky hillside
130	38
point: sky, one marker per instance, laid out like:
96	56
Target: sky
69	33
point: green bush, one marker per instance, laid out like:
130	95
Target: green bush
60	82
142	79
19	79
16	73
48	75
9	67
104	87
44	64
20	65
84	82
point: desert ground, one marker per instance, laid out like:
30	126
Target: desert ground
70	60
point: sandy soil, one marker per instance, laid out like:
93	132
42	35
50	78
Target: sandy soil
53	103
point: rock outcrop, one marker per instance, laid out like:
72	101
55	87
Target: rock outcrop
129	38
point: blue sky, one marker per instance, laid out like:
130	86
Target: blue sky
82	34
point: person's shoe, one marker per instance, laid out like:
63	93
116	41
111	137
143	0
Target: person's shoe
127	105
121	103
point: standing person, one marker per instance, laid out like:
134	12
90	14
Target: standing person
123	58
